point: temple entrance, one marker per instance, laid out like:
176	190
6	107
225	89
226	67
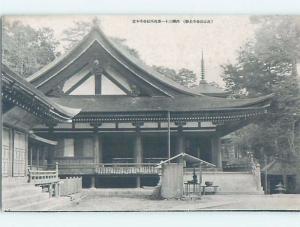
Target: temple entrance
199	147
118	148
155	148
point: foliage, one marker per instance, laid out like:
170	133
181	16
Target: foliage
269	65
76	33
184	76
25	49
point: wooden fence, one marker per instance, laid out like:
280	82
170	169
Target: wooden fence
69	186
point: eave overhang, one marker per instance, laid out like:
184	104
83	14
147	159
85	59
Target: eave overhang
18	92
215	116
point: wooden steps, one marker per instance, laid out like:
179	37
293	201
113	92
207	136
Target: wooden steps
18	195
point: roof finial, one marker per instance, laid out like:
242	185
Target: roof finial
96	22
202	68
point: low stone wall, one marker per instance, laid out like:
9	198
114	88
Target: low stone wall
230	182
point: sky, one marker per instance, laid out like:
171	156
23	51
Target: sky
174	45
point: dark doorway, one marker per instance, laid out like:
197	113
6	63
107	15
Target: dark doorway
117	148
155	148
115	182
86	181
199	147
150	181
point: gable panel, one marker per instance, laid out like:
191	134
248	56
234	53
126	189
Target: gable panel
109	88
86	88
74	79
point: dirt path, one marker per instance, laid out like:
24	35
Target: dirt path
94	201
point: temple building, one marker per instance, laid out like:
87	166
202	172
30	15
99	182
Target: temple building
131	117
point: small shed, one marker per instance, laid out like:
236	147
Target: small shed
172	174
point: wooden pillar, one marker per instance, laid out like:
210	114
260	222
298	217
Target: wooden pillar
138	151
93	181
37	157
98	84
51	154
31	151
216	152
138	181
180	142
100	150
96	148
138	146
44	155
97	141
180	145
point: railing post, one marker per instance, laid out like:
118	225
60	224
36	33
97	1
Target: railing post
29	175
56	169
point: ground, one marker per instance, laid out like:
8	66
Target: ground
138	200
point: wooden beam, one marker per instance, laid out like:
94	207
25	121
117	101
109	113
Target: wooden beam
76	85
98	84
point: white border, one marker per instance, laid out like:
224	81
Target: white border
182	219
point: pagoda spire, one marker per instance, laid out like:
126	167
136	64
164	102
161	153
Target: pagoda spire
96	23
202	69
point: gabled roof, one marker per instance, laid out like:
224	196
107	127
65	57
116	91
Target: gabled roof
188	158
96	44
22	89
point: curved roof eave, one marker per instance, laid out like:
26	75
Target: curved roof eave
159	103
61	111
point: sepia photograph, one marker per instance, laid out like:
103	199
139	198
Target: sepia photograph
150	113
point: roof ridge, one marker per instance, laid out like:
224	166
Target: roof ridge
121	56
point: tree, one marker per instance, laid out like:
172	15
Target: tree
187	77
184	76
74	34
25	49
269	65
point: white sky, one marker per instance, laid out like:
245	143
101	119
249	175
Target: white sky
172	45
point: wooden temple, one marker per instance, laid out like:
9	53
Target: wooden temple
131	117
